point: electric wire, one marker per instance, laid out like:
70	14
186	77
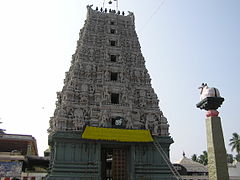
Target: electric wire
155	12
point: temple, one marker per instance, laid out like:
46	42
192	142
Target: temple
107	120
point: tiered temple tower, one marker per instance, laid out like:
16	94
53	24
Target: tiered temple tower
109	88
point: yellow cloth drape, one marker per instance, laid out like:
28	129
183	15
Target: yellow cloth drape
112	134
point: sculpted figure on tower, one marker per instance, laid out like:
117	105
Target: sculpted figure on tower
108	84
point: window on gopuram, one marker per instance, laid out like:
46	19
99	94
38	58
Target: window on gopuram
114	76
113	43
113	58
113	31
115	98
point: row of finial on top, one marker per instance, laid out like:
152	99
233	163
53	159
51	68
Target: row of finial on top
108	10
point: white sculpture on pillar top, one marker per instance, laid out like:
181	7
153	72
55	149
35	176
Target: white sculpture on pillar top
206	91
210	100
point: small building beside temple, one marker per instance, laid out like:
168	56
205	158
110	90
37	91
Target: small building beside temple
191	170
19	158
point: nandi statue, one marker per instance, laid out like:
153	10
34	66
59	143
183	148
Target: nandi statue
206	91
210	100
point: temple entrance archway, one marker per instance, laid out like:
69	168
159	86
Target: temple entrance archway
114	163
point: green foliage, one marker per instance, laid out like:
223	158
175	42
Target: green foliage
203	158
237	157
230	158
194	157
235	142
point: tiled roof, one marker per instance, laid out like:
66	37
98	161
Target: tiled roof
191	165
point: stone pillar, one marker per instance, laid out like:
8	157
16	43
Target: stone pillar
217	157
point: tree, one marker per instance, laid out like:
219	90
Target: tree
237	157
203	158
235	143
230	158
194	158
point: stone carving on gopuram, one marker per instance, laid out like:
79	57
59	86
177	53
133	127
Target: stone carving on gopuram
107	79
107	86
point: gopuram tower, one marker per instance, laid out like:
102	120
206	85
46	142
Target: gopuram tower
107	121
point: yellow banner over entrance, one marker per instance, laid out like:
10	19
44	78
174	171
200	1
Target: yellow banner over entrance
112	134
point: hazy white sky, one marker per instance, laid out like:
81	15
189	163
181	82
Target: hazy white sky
184	42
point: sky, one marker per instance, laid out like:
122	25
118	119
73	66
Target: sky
184	43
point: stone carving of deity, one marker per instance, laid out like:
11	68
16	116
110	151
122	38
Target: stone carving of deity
124	97
121	76
104	119
106	94
106	75
129	124
83	99
62	112
149	121
79	118
84	87
78	113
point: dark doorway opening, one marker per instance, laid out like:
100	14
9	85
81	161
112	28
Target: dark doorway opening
114	164
114	98
113	43
113	58
107	164
112	31
114	76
